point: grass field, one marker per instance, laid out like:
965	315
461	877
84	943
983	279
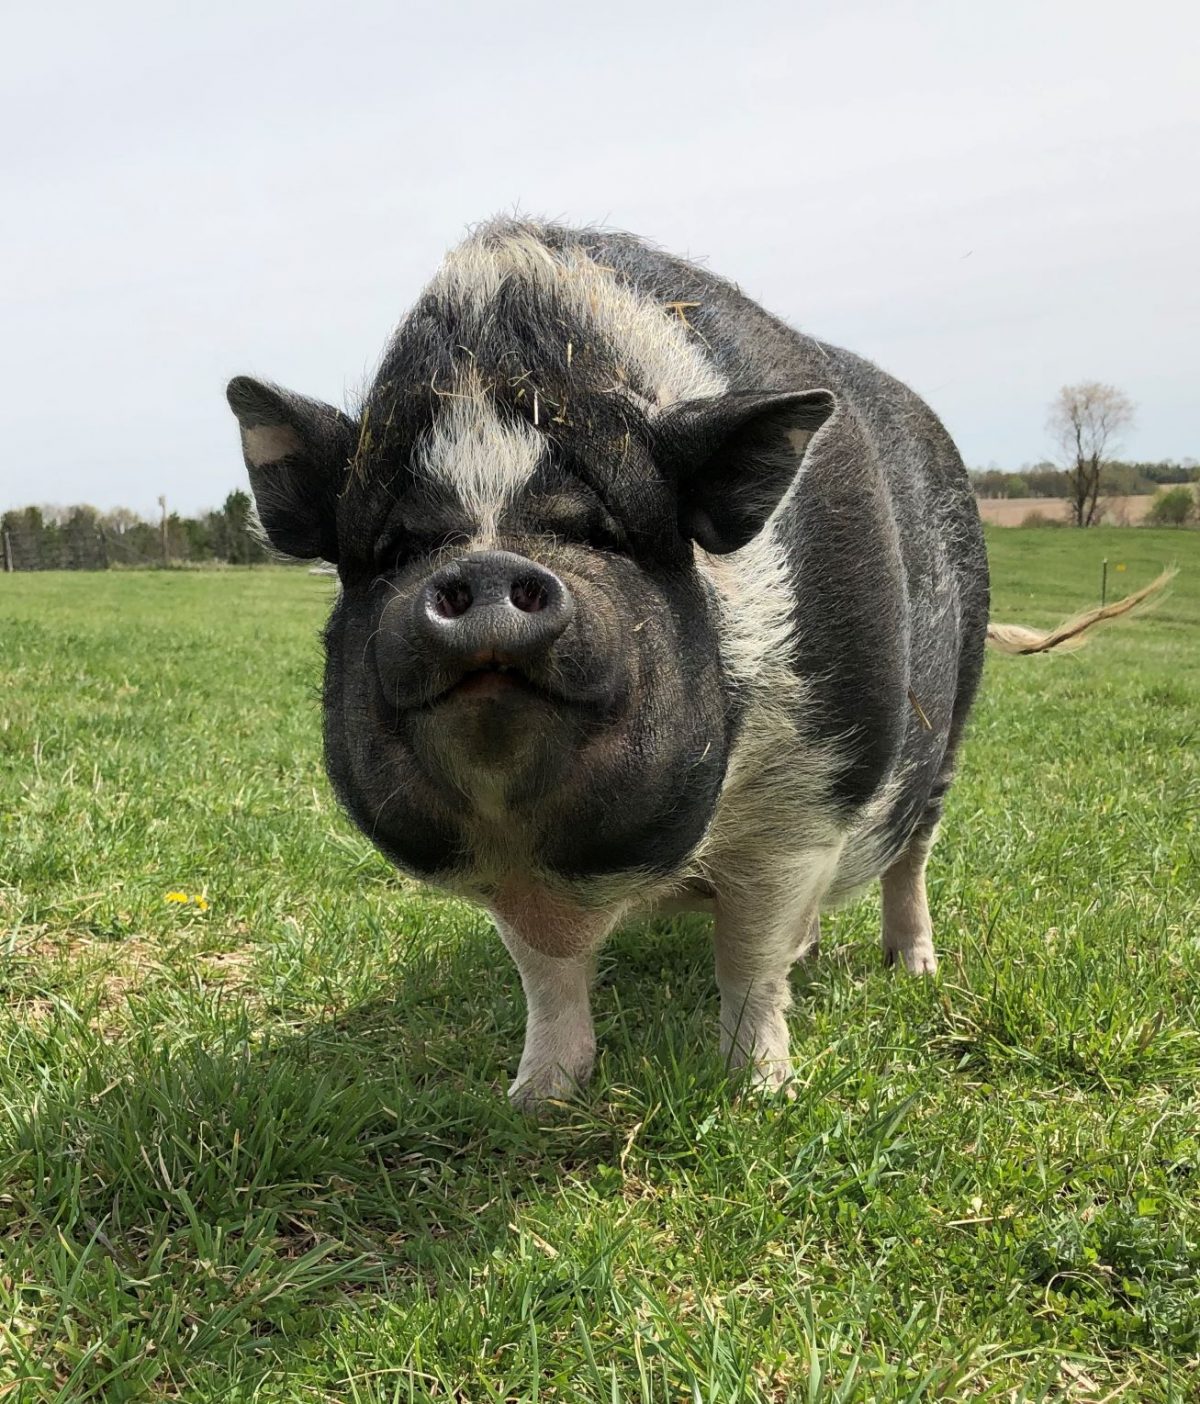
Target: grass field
254	1144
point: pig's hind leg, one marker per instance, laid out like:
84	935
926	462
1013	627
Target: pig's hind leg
760	930
907	927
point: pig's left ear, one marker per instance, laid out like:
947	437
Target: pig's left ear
297	452
733	457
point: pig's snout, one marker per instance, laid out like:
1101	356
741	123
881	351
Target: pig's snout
491	605
494	625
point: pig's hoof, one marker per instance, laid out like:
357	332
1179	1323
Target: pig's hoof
536	1089
917	955
762	1059
768	1076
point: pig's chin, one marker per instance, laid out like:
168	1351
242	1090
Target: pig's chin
521	728
490	718
492	723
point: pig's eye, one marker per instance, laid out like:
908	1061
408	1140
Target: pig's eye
596	529
600	530
437	542
392	550
397	548
603	534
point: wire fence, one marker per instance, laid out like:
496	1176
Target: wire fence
84	547
82	539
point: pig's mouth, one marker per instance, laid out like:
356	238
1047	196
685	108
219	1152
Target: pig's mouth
498	680
493	678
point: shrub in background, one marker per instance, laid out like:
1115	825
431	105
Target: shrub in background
1175	507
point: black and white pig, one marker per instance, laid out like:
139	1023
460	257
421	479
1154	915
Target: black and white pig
646	600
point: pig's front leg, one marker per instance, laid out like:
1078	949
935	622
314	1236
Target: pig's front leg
554	951
759	933
560	1043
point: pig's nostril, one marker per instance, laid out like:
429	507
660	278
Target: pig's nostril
452	600
529	595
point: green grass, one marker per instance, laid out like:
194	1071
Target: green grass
261	1151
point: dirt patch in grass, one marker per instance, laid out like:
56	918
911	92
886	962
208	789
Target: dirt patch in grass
92	973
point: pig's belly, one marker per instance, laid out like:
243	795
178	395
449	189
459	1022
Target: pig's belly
694	896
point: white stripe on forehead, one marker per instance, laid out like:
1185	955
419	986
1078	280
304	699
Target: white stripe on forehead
483	459
654	347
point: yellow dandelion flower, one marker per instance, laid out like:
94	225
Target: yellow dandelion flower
200	902
176	897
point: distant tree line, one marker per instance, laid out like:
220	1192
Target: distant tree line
82	538
1116	479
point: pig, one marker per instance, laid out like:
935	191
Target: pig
647	602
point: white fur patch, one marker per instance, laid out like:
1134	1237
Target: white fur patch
656	350
775	795
483	459
264	444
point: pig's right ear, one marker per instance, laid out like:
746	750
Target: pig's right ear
732	457
297	453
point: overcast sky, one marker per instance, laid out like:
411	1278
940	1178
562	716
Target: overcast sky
989	199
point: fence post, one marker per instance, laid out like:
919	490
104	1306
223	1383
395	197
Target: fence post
166	553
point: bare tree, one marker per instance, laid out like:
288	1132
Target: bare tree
1086	421
119	520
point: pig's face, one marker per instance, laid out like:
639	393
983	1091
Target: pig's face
524	666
